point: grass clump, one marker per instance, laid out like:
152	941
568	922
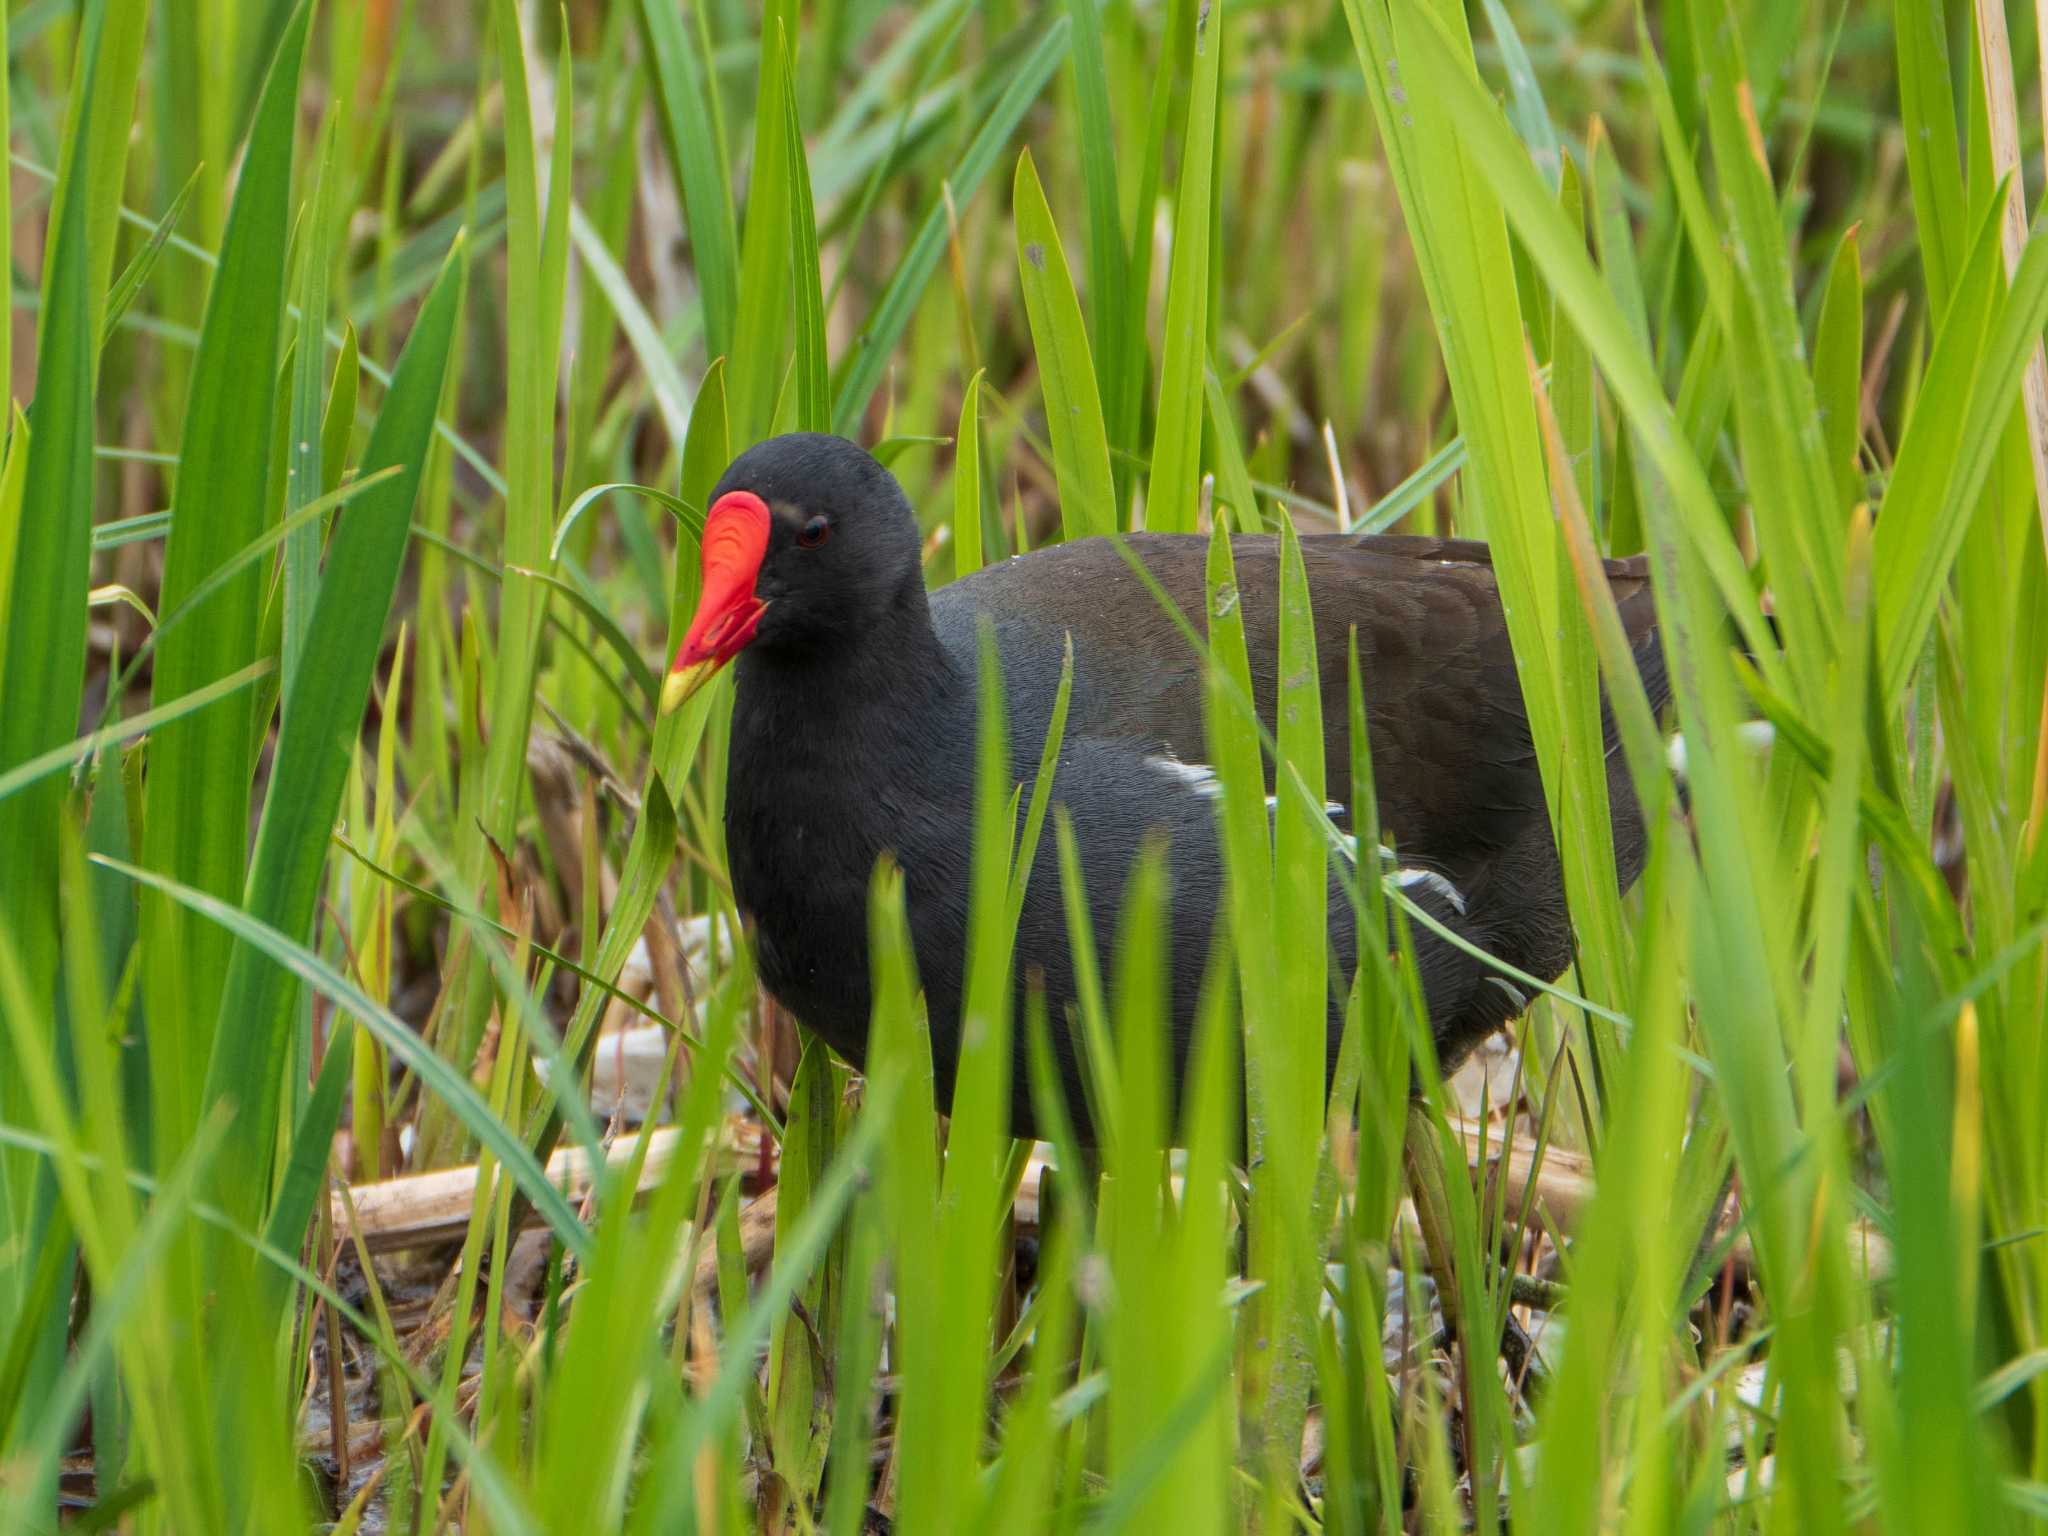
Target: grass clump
372	368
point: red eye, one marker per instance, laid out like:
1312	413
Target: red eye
813	533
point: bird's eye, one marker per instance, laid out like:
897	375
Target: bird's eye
814	533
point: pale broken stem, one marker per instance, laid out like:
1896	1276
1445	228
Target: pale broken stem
1995	49
426	1208
1339	491
2041	52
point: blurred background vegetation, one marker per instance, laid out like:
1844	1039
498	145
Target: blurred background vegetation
372	366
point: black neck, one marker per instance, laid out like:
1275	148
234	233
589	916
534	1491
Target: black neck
810	688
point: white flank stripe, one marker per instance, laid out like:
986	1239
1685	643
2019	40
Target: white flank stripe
1201	778
1430	880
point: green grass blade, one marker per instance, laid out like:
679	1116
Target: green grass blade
1838	366
648	857
1623	1260
534	288
1452	206
396	1036
305	453
1233	486
691	517
307	773
1091	1031
43	620
84	748
1525	96
1431	64
813	376
1140	1345
1108	257
758	360
1934	158
794	1262
1022	1493
900	1059
133	276
697	157
6	216
119	1294
967	555
671	394
13	469
1798	523
1286	1060
1174	486
196	816
304	1175
1949	446
99	114
1572	385
1041	789
945	1399
637	671
797	1372
861	369
1251	892
338	423
1066	371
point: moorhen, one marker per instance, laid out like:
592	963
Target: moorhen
853	735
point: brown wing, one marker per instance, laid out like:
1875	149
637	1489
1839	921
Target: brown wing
1453	761
1487	660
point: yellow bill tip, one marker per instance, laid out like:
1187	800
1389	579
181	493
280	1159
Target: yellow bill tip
684	681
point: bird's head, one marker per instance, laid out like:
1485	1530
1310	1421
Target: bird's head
808	542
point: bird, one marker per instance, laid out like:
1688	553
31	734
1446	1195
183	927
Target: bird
853	738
